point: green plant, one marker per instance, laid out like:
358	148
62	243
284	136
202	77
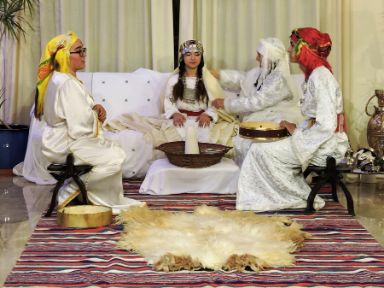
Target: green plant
12	17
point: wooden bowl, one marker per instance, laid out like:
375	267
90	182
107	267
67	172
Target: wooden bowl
262	130
84	216
209	155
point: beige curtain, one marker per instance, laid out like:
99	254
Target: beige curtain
362	62
121	36
231	29
19	62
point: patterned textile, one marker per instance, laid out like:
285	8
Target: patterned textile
340	254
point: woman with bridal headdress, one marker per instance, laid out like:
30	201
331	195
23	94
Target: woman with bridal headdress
266	91
189	93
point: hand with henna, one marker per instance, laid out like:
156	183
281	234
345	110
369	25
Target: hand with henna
289	126
101	113
204	120
218	103
178	119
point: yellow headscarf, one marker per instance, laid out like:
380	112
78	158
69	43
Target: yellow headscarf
57	49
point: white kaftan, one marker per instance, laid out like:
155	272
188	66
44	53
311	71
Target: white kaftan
273	101
73	127
171	107
271	176
34	166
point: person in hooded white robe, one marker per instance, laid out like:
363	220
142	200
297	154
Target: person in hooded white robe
266	91
271	177
73	126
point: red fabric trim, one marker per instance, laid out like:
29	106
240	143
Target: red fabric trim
191	113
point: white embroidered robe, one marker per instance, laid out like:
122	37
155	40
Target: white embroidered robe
271	176
273	101
72	127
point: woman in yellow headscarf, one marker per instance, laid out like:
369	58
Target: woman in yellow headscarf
73	122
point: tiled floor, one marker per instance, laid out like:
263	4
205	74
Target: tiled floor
21	205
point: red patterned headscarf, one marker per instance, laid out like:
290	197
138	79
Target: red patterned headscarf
312	48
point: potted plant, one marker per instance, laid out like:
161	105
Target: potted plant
13	137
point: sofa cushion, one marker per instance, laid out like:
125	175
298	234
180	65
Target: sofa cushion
104	85
121	93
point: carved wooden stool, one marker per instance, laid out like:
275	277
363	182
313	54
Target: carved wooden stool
62	172
331	174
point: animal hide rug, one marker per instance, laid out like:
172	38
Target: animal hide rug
210	238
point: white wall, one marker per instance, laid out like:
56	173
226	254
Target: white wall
363	62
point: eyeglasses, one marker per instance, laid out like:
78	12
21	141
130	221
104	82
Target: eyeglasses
82	52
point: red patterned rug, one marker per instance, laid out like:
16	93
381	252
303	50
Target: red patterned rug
341	253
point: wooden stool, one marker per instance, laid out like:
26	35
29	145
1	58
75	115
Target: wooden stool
64	172
331	174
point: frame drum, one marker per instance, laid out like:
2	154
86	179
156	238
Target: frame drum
262	131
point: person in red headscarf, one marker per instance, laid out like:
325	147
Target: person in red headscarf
271	177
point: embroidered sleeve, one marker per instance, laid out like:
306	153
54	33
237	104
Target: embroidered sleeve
320	100
231	79
273	91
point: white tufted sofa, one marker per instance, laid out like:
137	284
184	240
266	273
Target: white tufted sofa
121	93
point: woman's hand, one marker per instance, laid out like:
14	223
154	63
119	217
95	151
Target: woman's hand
218	103
204	120
178	119
101	113
288	125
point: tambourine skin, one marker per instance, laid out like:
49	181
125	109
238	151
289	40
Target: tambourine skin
262	131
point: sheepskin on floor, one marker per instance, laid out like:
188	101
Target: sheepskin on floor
210	238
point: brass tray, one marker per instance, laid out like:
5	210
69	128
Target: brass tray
262	130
